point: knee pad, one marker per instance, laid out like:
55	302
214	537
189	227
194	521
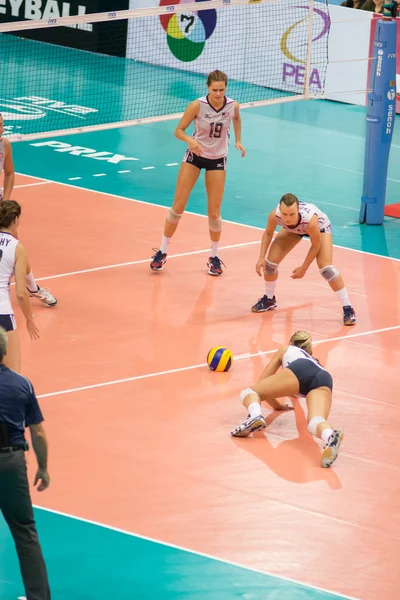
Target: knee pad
173	217
329	273
215	224
271	267
313	424
245	393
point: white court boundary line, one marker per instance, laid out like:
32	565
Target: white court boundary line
142	261
163	207
195	552
32	184
202	365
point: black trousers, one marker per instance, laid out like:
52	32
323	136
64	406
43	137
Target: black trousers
16	506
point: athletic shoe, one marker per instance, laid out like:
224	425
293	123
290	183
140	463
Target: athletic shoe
248	426
331	449
44	296
214	265
158	260
264	304
349	316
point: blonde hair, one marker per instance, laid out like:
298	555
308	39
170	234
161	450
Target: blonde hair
289	200
302	339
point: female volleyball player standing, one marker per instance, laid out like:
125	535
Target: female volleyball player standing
302	375
298	219
207	149
13	261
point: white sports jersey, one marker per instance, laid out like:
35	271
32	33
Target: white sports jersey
211	128
306	211
294	353
8	244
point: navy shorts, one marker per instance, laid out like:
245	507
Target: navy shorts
310	375
209	164
325	230
7	322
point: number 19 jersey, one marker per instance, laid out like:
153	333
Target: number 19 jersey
211	128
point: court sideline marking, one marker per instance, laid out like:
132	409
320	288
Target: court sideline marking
142	261
164	207
191	367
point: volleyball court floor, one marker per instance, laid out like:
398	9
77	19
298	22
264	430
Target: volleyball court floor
150	496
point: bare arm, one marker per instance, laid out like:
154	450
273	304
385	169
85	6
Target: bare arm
189	116
237	128
9	174
39	444
266	242
21	263
274	364
315	239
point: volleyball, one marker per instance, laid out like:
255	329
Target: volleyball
220	359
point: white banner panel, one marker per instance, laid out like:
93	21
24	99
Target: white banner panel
259	43
263	44
348	55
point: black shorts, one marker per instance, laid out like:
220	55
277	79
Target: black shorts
209	164
310	375
7	322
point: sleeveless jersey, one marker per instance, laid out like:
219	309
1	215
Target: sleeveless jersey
294	353
307	211
8	244
211	128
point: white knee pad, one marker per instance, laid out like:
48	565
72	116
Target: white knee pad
245	393
271	267
215	224
329	273
313	424
173	217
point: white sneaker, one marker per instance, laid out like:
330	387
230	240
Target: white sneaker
44	296
248	426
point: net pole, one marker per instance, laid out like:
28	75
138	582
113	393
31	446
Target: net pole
381	112
307	74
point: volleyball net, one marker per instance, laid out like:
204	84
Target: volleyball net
78	73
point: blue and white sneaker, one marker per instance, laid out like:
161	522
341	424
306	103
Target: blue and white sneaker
214	265
158	260
248	426
349	315
331	449
264	304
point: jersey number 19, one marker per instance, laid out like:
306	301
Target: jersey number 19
216	130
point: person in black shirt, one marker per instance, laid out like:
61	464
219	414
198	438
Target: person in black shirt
19	408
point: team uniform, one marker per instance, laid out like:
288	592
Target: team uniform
8	245
307	370
311	376
306	212
330	273
211	130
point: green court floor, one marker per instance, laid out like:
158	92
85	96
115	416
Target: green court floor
88	562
